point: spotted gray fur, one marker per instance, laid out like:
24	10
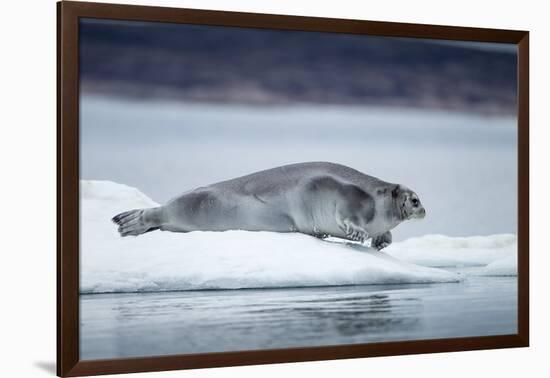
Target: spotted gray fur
319	199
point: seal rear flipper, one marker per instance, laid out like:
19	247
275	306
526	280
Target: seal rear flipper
136	222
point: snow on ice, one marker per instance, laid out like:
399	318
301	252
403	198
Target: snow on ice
164	261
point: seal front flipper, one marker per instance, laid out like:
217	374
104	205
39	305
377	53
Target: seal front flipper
382	241
137	222
353	231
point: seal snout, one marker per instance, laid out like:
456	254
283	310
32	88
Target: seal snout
421	213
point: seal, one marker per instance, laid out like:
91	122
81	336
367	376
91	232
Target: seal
320	199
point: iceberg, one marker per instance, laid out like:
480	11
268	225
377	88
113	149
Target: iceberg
456	252
166	261
507	266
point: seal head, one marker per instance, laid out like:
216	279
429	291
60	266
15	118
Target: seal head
407	204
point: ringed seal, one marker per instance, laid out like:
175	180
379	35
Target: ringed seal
319	199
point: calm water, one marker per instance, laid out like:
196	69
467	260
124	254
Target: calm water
129	325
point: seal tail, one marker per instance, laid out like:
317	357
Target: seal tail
135	222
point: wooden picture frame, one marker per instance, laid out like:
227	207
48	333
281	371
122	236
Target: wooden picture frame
68	361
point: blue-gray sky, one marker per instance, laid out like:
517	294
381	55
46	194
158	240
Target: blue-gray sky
259	66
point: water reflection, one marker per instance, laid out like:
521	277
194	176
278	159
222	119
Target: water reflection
125	325
364	314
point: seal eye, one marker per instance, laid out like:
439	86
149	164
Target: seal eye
415	202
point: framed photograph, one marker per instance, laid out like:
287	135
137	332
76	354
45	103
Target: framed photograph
238	188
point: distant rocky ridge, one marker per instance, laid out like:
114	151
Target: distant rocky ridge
253	66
